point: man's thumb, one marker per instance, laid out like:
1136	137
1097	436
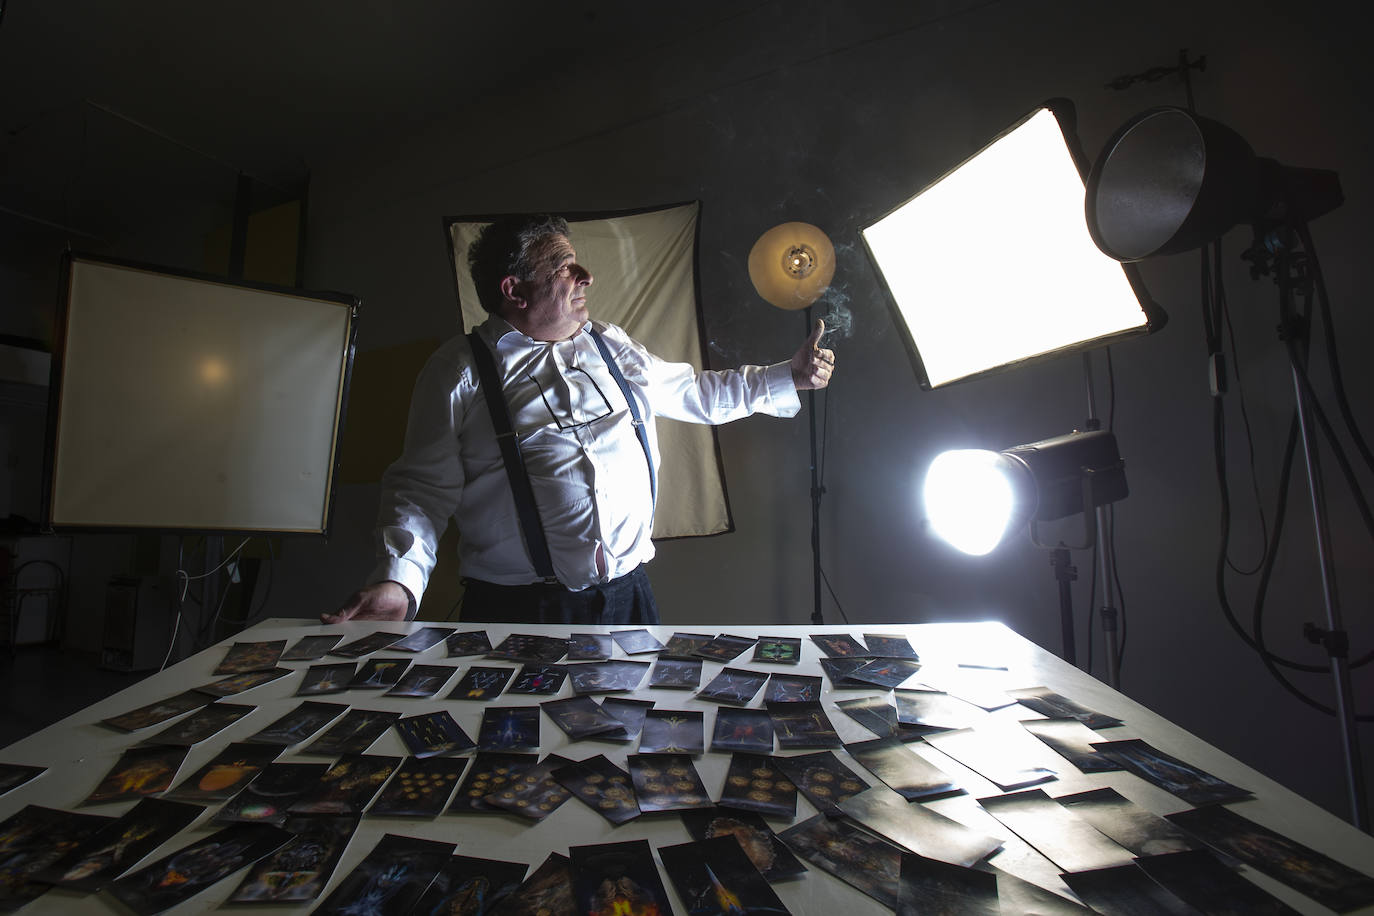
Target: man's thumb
815	339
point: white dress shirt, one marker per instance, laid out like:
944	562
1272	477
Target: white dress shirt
585	463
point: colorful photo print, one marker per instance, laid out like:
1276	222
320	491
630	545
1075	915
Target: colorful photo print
390	879
874	713
422	681
636	642
724	648
778	650
422	639
615	878
666	782
715	878
204	723
885	672
509	728
188	871
14	775
904	771
488	774
468	642
482	683
139	772
1052	705
379	674
533	793
799	725
419	788
225	775
374	642
299	871
601	786
239	683
614	676
837	670
881	645
311	648
468	886
590	647
332	677
793	688
747	730
1195	786
754	783
672	731
244	657
544	680
547	892
822	779
629	711
856	857
579	717
353	734
159	712
431	734
733	685
33	839
102	856
752	834
839	645
528	647
347	786
684	645
930	886
676	674
299	724
266	799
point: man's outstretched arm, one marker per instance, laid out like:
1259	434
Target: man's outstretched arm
382	601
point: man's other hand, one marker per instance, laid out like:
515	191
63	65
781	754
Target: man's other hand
812	366
383	601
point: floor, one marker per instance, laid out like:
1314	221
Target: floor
41	684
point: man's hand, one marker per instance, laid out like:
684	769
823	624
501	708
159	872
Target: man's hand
383	601
812	366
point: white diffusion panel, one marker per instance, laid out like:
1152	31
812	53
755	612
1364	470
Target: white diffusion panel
186	403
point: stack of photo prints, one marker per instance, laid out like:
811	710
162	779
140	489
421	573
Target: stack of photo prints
895	804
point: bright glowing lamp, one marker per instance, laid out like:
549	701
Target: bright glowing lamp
970	499
992	266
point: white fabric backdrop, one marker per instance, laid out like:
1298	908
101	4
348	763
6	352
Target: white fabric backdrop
643	269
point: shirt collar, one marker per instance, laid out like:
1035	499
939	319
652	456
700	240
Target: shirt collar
498	331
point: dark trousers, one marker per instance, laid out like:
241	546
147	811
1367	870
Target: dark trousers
627	600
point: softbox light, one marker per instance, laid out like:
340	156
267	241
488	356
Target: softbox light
991	266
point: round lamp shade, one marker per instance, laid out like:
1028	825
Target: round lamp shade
791	265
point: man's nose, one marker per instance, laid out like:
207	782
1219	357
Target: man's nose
584	276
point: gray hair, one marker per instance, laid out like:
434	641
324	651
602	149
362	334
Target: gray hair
503	249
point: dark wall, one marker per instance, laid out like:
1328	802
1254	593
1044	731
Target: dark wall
832	117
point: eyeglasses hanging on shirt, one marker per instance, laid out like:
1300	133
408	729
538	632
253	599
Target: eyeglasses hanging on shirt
579	392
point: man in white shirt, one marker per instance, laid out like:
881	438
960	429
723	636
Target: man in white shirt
580	397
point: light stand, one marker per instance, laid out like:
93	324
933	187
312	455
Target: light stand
816	492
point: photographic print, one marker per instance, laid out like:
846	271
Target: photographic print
468	886
822	779
33	839
242	682
533	792
422	681
778	650
837	670
373	642
547	892
331	677
1195	786
724	648
839	645
204	723
482	683
614	676
422	639
140	771
390	879
629	711
672	731
419	788
917	828
544	680
601	786
185	873
1138	829
1072	740
636	642
14	775
379	674
666	782
792	688
992	756
614	878
245	657
225	775
885	672
715	878
311	648
347	786
684	645
299	870
489	773
528	647
859	859
751	833
903	770
874	713
884	646
265	799
1061	836
469	642
933	709
579	717
754	783
733	685
931	886
159	712
1052	705
747	730
431	734
353	734
299	724
108	852
590	647
800	725
509	728
676	674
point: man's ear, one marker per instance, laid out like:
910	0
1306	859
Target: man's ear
513	289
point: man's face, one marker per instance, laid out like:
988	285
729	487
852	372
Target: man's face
556	296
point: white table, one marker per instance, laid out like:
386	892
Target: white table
78	751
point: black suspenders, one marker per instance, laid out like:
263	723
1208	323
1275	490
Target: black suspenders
509	442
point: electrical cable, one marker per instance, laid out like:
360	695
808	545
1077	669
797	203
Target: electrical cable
1120	592
833	597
